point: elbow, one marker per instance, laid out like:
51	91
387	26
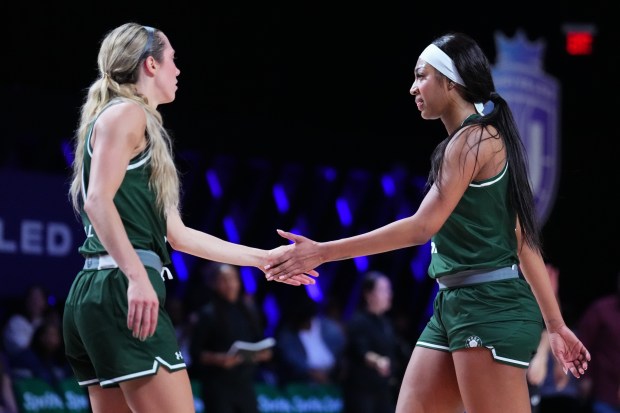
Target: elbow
415	230
91	205
174	242
423	234
177	240
421	239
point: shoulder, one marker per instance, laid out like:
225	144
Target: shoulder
472	136
475	145
124	118
124	112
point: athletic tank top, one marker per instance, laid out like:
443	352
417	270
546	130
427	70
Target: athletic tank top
480	232
135	202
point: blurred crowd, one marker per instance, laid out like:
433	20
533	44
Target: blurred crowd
364	353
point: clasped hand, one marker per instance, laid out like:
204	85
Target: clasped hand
294	263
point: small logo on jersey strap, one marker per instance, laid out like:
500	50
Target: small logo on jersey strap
178	355
473	341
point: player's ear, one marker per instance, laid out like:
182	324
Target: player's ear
150	65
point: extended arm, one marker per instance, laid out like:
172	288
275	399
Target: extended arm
459	167
203	245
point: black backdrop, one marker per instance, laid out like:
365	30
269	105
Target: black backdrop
323	82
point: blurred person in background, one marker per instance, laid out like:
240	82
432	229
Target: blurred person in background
309	345
599	330
372	373
44	358
231	314
551	390
21	324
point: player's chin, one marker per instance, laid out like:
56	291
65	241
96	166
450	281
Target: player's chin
171	96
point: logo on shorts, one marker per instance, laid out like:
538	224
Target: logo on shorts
178	355
473	341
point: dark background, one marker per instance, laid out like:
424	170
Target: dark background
324	83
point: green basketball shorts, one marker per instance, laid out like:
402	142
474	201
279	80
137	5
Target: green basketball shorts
99	346
502	316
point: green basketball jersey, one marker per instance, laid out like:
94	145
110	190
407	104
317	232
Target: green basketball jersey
480	232
136	204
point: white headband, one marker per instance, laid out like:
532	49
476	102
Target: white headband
436	57
442	62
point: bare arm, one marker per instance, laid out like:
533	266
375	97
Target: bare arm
459	167
203	245
118	136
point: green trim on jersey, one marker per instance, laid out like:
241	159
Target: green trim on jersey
135	201
480	232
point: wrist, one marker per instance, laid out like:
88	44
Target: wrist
554	324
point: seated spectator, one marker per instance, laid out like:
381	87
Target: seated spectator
21	324
599	330
309	346
45	357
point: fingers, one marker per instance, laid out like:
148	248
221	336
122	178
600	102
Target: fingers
287	265
290	281
285	269
298	279
142	319
304	279
285	234
277	257
277	271
577	367
577	372
131	315
149	322
580	364
134	320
